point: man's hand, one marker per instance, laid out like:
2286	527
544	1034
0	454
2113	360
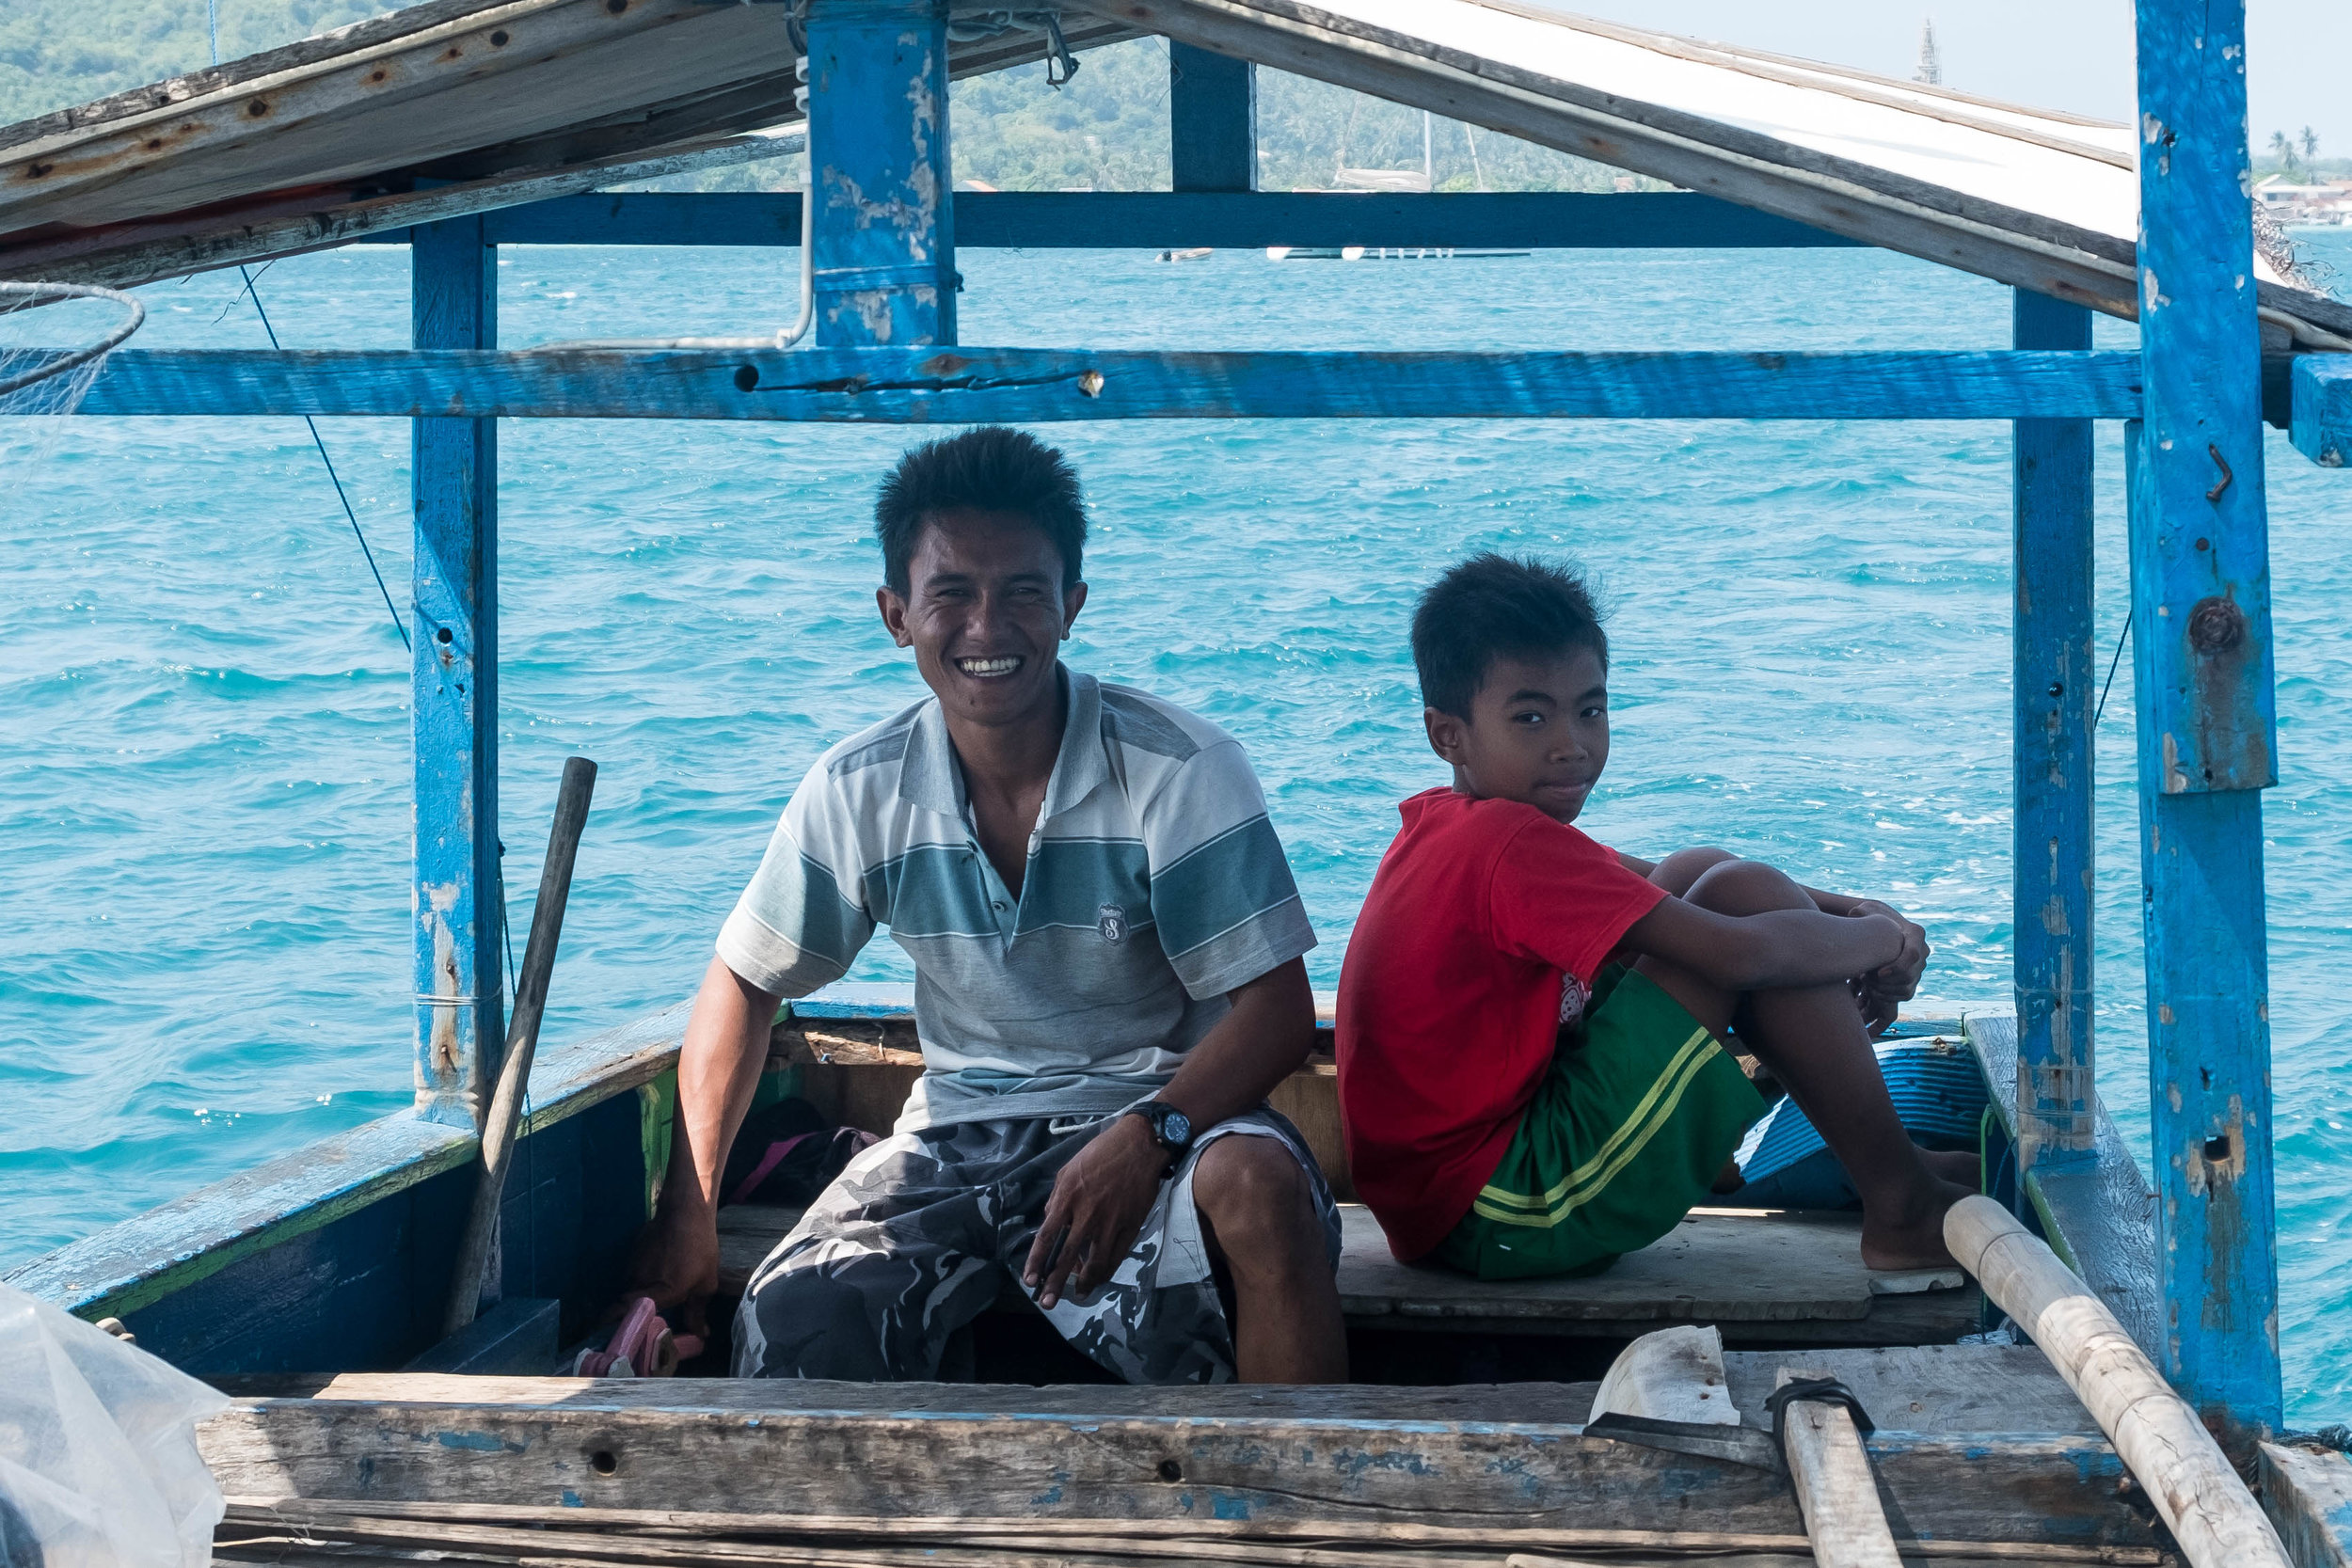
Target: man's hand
1882	993
1098	1208
675	1260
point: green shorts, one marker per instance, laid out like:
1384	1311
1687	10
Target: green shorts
1625	1133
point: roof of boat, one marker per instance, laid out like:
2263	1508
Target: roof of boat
460	105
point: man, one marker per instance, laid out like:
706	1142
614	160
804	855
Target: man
1108	981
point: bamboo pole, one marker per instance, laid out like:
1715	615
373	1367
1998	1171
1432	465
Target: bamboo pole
2196	1491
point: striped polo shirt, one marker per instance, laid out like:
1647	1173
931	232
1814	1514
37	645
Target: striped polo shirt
1154	885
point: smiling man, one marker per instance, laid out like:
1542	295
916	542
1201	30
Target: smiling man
1108	981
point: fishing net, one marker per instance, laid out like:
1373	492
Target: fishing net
54	340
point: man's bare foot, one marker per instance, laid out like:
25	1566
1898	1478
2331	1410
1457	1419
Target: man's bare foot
1914	1238
1957	1164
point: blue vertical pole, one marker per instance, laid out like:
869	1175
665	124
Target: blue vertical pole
2201	632
454	718
1212	120
2056	675
885	236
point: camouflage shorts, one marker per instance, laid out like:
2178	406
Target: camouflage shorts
916	1238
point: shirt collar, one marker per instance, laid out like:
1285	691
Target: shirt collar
930	777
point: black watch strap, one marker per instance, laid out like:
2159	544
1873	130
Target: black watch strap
1171	1128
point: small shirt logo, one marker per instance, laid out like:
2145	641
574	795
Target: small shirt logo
1111	921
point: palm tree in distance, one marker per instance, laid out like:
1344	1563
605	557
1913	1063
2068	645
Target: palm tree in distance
2311	147
2282	149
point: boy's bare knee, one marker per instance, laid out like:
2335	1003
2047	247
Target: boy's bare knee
1254	1193
1677	871
1746	887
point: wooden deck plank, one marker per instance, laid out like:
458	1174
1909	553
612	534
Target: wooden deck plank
1936	1389
1268	1470
1941	1388
1717	1265
2309	1497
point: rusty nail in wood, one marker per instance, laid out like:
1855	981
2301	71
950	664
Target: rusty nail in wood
2223	464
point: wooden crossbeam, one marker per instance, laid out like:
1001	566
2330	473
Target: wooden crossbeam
1025	385
1261	1474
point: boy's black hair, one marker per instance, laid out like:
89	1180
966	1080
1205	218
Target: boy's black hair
992	468
1494	605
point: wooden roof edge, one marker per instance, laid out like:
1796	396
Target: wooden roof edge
129	255
390	27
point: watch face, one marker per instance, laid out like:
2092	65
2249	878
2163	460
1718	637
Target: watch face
1176	1127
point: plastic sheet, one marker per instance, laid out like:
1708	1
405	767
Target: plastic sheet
99	1466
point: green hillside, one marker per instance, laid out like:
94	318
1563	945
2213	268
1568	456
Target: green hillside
1106	130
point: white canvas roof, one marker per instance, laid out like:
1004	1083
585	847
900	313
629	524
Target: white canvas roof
2043	199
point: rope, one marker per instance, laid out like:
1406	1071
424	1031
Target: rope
312	425
2122	638
972	27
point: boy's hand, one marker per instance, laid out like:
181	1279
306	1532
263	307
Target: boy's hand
1880	993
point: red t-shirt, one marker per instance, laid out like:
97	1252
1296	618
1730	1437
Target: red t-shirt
1482	933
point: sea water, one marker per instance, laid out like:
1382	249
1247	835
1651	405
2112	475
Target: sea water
204	787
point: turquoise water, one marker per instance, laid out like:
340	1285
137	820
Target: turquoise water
203	725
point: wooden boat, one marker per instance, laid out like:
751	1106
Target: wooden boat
313	1285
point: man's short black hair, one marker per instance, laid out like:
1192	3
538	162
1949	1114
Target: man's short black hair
1492	606
992	468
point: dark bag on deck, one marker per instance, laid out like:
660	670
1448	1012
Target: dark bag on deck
786	1153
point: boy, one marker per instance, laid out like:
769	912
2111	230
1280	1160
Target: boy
1532	1074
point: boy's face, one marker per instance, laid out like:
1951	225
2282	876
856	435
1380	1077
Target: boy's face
986	613
1538	732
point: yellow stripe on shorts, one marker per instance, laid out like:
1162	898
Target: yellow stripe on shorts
1588	1180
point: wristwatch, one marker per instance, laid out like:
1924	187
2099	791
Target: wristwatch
1171	1128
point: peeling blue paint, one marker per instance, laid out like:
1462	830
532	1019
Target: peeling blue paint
571	1500
1229	1507
1048	1498
477	1442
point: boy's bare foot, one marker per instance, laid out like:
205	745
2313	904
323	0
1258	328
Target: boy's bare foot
1912	1239
1957	1164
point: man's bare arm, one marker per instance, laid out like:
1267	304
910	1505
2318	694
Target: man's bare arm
676	1259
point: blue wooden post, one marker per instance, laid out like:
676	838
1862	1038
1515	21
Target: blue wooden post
2201	632
1212	120
884	238
453	634
2055	685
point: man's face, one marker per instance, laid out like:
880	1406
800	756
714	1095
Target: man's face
985	613
1538	732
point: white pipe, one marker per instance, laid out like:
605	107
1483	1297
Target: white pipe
785	336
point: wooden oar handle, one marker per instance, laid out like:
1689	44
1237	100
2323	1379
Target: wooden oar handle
522	1039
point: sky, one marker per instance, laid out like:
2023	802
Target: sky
2050	54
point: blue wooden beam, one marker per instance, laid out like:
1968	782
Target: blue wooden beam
460	1012
2322	420
2200	634
1212	120
1164	220
884	232
2053	687
953	385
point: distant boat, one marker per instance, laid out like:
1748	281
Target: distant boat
1191	253
1385	253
